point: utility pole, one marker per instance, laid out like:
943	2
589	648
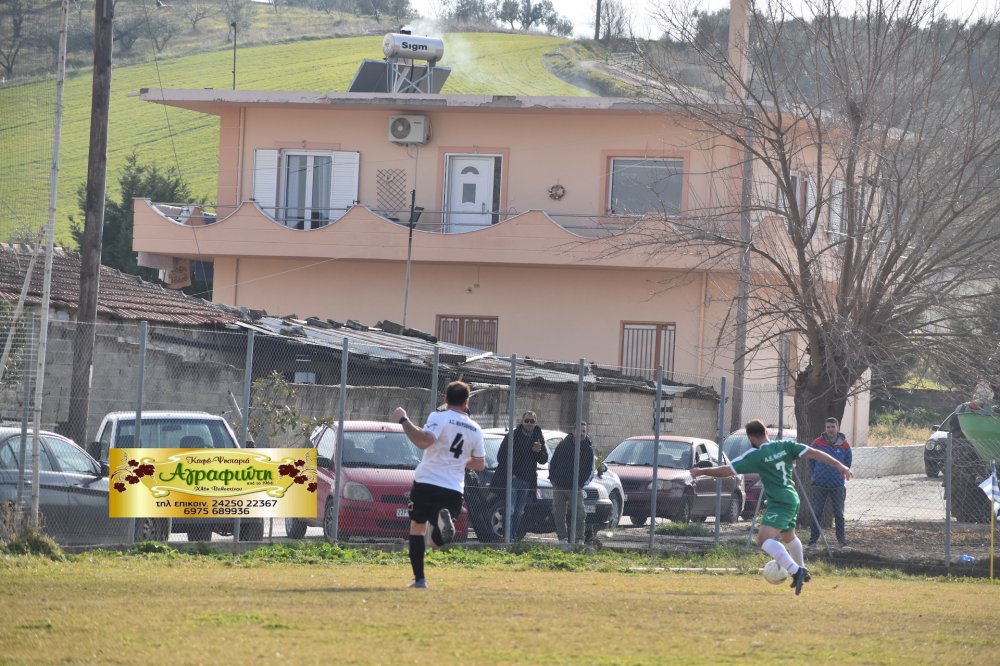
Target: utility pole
93	226
597	23
233	26
739	30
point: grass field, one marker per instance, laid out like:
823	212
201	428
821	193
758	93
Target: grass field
481	63
323	604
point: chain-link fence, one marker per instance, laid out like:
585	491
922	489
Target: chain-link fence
333	387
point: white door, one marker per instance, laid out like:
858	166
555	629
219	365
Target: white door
470	201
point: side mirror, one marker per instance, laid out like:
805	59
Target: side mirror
601	469
704	462
105	468
324	462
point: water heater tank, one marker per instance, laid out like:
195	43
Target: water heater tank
413	47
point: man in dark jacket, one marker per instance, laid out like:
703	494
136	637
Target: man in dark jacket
827	482
528	452
563	490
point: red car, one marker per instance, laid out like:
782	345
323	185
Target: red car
678	496
378	468
736	445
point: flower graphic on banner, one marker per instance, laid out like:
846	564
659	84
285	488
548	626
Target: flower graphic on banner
298	474
131	472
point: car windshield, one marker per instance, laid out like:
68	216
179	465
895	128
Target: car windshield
492	443
176	433
735	445
382	450
639	453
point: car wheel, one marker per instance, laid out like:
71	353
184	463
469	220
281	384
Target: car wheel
328	520
616	510
687	508
638	521
731	513
150	529
295	528
252	529
199	534
494	521
931	468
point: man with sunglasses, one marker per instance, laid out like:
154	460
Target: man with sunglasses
527	451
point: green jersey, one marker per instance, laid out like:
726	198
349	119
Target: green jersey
774	462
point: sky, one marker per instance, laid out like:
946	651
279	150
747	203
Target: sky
581	12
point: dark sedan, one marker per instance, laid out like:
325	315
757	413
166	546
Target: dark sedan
678	496
72	492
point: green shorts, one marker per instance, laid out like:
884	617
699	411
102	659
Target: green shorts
780	515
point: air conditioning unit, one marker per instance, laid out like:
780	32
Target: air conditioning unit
409	129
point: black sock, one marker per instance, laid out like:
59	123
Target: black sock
417	548
436	537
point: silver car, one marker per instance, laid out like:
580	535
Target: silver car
72	492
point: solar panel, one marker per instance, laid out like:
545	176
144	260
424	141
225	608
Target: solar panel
372	77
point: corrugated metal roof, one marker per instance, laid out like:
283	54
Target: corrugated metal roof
475	364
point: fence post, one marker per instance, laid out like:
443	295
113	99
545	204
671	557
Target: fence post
338	453
511	406
28	370
139	395
139	392
434	380
574	508
947	502
656	456
718	482
245	421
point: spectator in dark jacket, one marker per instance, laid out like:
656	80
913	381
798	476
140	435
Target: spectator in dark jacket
827	482
563	490
528	451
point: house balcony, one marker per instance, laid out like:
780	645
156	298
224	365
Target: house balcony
164	232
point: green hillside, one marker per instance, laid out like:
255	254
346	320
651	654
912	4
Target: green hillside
482	63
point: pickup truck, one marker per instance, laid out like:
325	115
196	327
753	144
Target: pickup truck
175	430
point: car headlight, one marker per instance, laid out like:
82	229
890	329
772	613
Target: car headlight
358	492
659	484
930	446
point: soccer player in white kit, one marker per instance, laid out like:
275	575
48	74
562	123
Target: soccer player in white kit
451	442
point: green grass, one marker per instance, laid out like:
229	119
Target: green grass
322	604
482	63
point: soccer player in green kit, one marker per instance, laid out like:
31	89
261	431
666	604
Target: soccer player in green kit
774	461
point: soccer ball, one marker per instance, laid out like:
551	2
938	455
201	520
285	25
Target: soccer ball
774	574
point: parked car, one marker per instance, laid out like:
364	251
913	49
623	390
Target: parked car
378	466
73	492
934	452
176	430
678	496
486	507
735	445
969	504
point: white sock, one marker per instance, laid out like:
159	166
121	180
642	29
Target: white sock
775	549
795	550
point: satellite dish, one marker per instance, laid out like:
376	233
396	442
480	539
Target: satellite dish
400	127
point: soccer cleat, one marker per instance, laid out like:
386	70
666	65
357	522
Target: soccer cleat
419	584
446	526
812	547
798	579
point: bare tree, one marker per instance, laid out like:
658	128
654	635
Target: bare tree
195	11
13	14
869	211
240	13
615	20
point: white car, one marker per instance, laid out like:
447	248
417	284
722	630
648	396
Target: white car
175	430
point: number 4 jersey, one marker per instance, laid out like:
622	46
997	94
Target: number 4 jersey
457	439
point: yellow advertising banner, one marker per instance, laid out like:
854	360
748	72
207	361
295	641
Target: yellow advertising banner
212	483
